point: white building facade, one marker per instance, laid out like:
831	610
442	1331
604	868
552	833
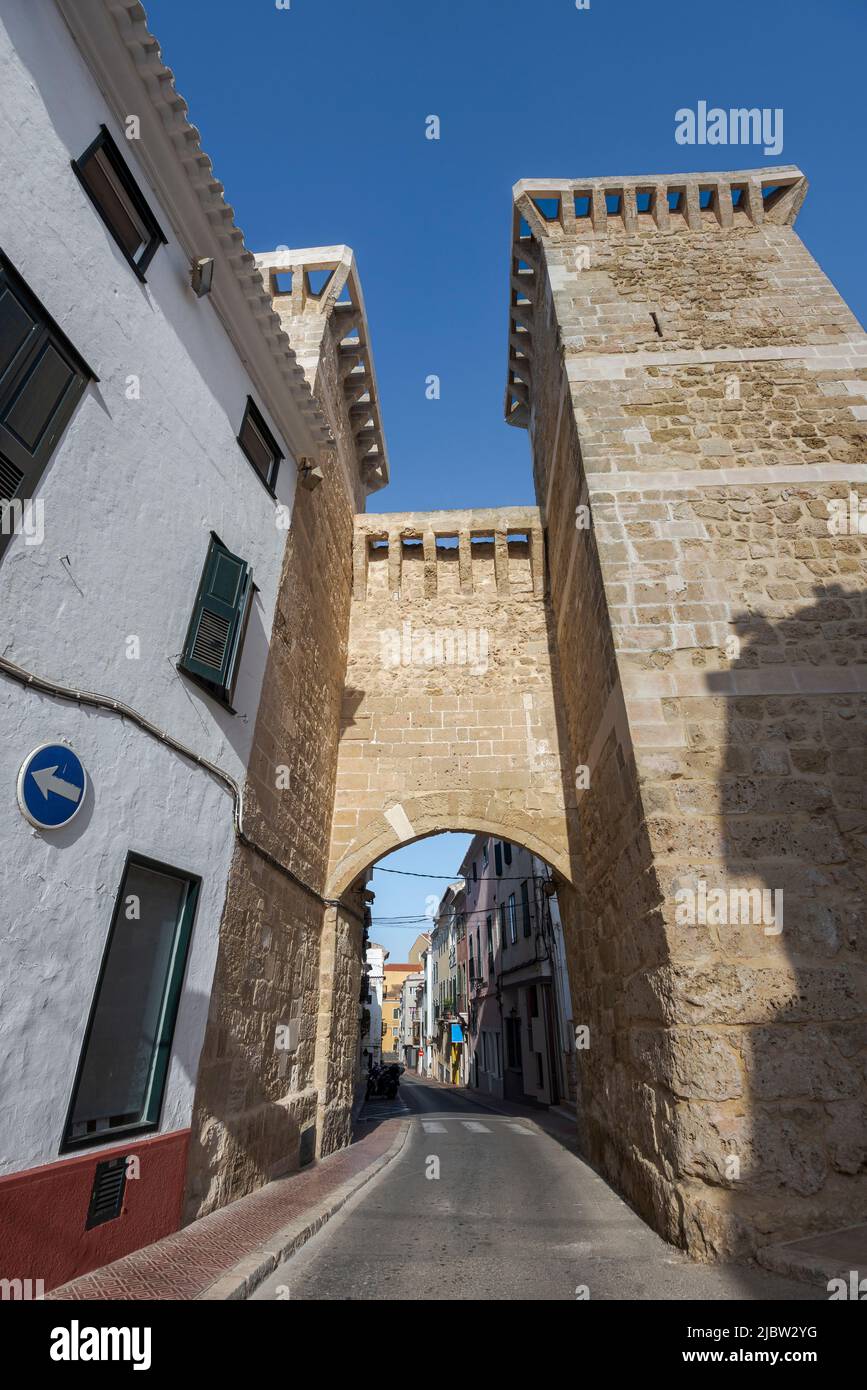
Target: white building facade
521	1039
154	432
371	1042
411	1009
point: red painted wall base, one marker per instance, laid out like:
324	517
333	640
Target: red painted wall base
43	1211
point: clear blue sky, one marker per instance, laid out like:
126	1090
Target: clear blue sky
409	897
315	120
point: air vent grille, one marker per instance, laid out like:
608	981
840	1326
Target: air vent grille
106	1198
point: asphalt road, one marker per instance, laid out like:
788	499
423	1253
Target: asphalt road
484	1205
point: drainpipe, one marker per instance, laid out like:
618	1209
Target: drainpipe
428	970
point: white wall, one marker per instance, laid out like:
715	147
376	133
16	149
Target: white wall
130	497
135	486
57	895
376	960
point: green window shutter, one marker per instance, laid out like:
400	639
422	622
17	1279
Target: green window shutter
41	381
219	620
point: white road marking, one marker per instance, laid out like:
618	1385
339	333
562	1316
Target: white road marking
433	1127
475	1127
521	1129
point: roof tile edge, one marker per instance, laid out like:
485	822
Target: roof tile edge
128	21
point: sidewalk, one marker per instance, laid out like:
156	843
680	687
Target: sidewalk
227	1254
833	1255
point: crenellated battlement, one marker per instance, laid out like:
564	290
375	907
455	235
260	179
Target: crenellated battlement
659	202
485	552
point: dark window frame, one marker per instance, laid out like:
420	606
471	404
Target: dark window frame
23	364
254	416
106	143
223	693
173	988
525	907
513	1044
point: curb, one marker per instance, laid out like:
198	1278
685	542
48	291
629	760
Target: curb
810	1260
246	1276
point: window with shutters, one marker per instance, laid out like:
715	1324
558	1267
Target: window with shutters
513	920
215	638
525	906
42	379
259	445
498	858
122	1072
111	188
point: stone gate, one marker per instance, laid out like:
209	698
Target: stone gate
667	702
450	711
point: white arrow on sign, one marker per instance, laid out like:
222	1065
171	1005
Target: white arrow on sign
47	782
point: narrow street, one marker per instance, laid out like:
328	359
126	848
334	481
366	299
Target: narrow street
513	1214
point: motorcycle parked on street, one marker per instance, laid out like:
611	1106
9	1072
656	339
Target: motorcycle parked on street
384	1081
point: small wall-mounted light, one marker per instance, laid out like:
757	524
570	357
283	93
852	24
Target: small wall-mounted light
202	276
310	475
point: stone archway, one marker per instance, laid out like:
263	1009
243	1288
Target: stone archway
440	813
450	708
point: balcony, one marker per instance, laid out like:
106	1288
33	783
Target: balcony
447	1010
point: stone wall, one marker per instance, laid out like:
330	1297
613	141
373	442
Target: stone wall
450	715
690	376
276	1079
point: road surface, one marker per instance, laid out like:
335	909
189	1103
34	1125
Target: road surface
484	1205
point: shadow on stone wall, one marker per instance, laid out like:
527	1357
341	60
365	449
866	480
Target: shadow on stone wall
787	1136
723	1091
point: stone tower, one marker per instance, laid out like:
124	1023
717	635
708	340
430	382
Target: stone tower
275	1082
695	392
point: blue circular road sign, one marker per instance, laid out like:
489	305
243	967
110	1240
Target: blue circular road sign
51	786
